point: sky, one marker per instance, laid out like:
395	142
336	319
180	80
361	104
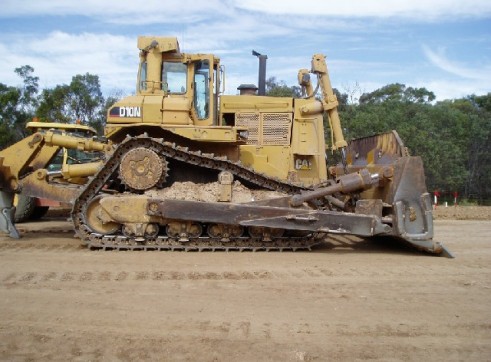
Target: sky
442	45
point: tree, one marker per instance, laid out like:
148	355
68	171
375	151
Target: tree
9	98
85	98
17	106
280	89
100	118
453	137
399	93
27	99
478	155
29	88
53	105
80	100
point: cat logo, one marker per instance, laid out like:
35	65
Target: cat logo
303	164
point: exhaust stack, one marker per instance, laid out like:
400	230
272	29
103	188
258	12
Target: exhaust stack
262	72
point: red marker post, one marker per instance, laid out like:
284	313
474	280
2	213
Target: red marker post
436	195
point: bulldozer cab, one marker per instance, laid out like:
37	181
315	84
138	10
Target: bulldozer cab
174	87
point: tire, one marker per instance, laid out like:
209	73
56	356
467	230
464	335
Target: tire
24	207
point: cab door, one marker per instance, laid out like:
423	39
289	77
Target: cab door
177	101
203	104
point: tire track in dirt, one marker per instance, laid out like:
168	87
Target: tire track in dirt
111	276
56	246
248	329
32	277
234	341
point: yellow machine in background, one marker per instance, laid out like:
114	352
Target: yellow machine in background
178	128
33	208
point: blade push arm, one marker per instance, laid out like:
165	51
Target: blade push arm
328	102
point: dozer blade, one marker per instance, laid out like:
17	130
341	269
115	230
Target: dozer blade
413	211
402	188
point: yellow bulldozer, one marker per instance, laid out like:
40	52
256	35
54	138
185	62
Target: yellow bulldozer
180	129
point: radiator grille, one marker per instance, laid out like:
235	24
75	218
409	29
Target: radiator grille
266	128
251	122
276	129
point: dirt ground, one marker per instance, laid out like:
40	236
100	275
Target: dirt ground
462	213
349	299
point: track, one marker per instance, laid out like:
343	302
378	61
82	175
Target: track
210	161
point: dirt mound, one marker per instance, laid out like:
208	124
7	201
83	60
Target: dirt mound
210	192
463	212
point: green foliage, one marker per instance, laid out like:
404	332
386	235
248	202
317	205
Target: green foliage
17	106
85	97
399	93
80	100
100	117
53	105
453	137
29	89
276	88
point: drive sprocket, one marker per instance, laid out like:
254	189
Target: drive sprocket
142	168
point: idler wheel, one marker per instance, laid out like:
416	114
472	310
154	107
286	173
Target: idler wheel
142	168
93	218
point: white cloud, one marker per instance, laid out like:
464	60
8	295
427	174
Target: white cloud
118	11
187	11
439	59
465	79
414	9
370	42
152	11
59	56
229	31
453	89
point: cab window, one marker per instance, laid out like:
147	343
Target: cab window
174	77
202	89
143	76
